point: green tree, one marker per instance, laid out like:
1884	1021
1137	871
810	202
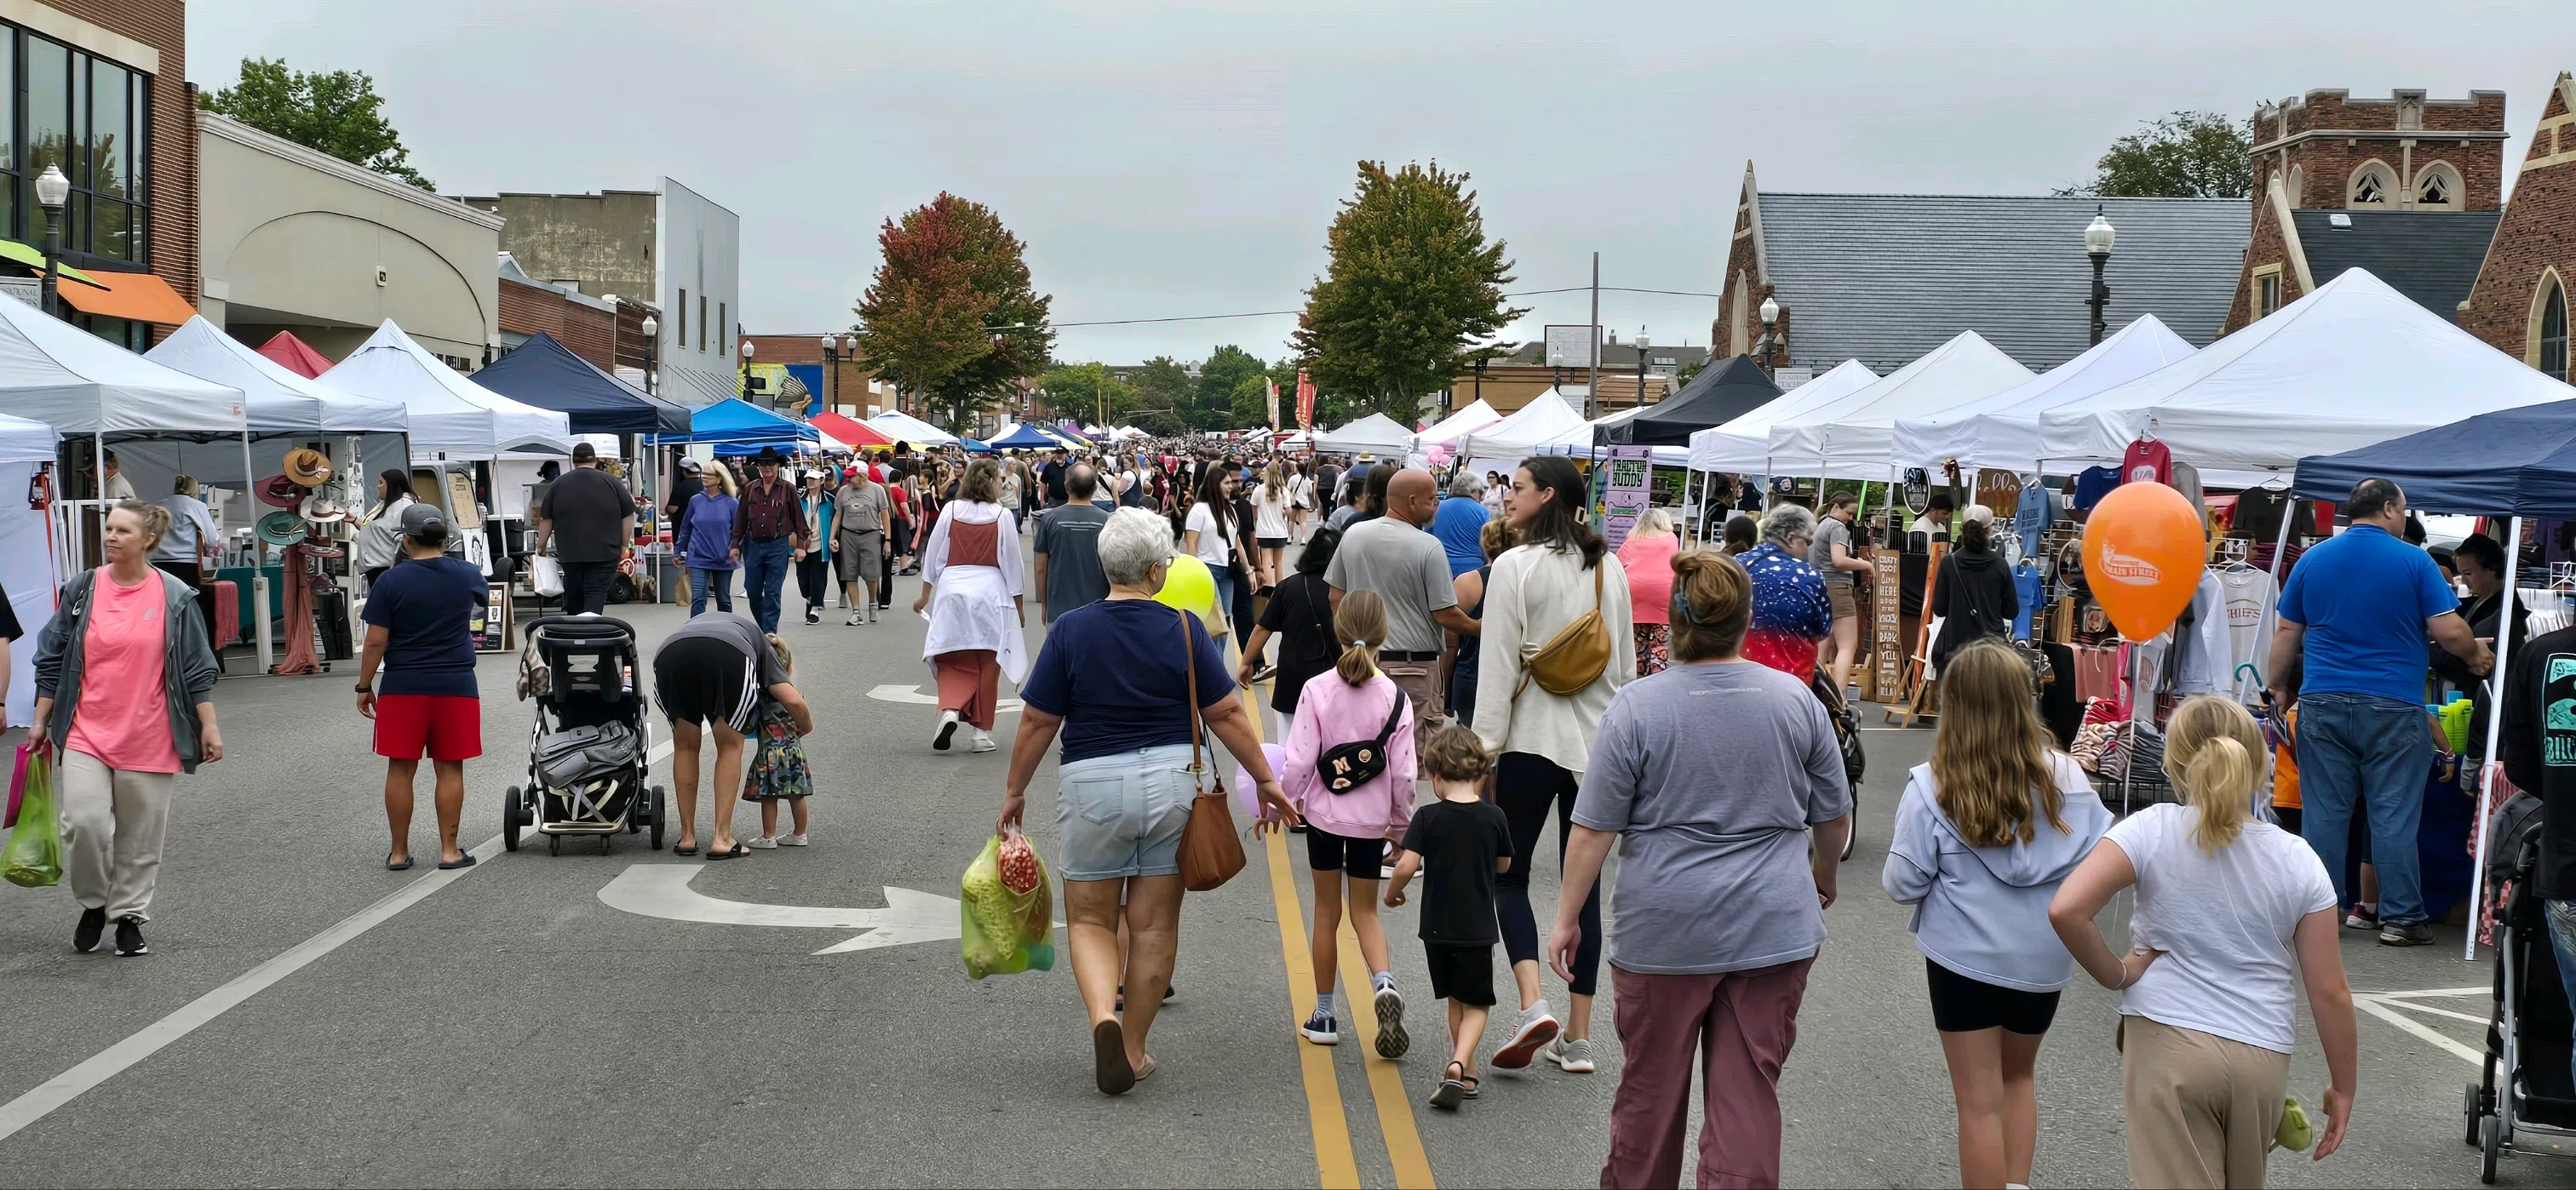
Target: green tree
2184	155
1414	284
1221	404
338	113
950	317
1165	396
1088	392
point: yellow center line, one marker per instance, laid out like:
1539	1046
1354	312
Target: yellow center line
1386	1079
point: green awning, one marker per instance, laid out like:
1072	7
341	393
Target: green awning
14	251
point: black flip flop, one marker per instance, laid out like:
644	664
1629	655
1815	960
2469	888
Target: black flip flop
1109	1068
463	861
391	866
691	849
738	852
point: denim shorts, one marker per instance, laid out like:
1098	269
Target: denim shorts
1122	815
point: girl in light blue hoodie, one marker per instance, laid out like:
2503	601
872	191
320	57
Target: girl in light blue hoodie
1984	835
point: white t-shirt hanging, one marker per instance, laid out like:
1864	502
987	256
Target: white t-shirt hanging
2250	595
2225	923
1213	549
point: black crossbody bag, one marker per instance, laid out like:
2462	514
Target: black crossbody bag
1345	767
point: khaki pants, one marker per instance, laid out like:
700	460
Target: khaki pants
112	828
2201	1108
1420	681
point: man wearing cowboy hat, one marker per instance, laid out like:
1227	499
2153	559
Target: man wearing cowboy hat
768	534
596	517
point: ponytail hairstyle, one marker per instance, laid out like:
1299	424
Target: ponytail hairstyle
1972	534
1360	620
2214	756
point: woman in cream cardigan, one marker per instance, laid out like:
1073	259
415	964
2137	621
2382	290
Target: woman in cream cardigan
1541	741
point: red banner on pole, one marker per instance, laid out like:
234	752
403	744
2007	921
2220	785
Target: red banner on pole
1305	401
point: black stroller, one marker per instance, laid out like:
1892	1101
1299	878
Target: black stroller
1846	721
590	749
2528	1035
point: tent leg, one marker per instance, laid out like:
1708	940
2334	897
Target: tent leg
2493	768
258	567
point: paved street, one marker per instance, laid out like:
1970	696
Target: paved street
307	1018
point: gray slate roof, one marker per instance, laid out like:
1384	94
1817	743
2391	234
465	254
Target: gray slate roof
1883	278
2430	256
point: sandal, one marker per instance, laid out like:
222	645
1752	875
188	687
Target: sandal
1109	1069
1147	1068
1451	1091
463	861
685	849
391	866
738	852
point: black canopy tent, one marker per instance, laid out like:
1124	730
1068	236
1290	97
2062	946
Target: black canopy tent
546	374
1719	394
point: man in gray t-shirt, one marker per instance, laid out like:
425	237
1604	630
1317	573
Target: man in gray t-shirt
1067	546
1393	556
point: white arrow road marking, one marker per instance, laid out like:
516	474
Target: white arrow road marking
2392	1007
662	890
913	694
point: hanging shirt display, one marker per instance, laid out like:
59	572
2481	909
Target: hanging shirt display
2148	461
2037	508
2026	585
2203	647
2250	595
2093	483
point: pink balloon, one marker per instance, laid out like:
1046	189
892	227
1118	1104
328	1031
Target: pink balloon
1247	801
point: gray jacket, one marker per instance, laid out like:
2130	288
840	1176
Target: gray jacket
188	667
1983	911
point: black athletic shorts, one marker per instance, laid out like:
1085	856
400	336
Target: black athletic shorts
1461	973
1964	1005
704	680
1360	859
1271	543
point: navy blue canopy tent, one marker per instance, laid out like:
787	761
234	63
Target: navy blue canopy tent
1719	394
2512	462
546	374
733	422
1025	437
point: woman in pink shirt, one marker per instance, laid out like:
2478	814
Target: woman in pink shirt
1348	828
124	694
1647	556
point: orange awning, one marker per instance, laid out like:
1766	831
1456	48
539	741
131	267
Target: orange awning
142	297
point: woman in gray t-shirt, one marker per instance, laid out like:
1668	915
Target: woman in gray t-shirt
1722	783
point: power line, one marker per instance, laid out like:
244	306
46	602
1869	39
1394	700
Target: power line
1287	313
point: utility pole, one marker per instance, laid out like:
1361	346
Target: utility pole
1592	390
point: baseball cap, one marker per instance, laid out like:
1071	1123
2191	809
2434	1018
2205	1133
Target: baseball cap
688	464
423	520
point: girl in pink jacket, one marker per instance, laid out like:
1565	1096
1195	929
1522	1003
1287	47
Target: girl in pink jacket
1350	771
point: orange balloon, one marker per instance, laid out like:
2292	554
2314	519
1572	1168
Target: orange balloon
2144	550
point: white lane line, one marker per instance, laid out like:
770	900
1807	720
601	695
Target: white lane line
2372	1005
71	1084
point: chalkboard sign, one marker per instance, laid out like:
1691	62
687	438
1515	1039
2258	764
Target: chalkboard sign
491	622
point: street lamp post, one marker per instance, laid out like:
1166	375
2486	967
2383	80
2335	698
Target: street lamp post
832	372
1770	312
652	329
2098	237
849	354
1641	365
746	371
52	188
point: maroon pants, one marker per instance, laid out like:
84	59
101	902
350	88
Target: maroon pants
970	683
1740	1025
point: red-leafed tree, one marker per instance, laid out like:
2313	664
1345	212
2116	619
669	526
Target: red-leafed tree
950	317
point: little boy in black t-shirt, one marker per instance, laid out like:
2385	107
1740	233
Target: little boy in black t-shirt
1459	843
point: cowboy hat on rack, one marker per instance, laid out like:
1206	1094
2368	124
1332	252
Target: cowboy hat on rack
308	467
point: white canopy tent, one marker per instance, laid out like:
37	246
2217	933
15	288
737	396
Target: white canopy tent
1850	437
904	427
1475	416
28	571
450	414
2351	364
2003	430
1502	445
1743	445
1376	434
275	400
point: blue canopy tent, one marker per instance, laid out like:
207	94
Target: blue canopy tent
973	447
546	374
1025	437
2513	463
734	422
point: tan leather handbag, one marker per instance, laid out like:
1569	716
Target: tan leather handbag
1211	853
1576	656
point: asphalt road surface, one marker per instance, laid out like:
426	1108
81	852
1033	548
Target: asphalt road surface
637	1019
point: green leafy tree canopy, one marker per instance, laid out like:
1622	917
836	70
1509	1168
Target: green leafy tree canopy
1231	391
338	113
1413	287
2184	155
950	316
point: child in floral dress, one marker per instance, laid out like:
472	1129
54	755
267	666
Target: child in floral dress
778	771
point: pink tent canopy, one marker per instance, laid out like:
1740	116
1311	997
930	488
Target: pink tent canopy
853	433
295	355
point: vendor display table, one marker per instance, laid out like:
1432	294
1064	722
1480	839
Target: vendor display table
241	575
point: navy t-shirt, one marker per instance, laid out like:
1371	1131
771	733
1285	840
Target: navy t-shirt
426	607
1112	670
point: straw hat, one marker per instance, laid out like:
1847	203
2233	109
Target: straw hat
323	510
307	467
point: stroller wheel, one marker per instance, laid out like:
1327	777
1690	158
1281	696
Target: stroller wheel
2469	1107
554	844
604	842
2490	1148
511	823
654	799
1851	840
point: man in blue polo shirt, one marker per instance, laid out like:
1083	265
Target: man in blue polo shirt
2356	612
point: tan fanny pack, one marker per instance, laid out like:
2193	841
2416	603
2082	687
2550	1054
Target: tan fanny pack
1576	656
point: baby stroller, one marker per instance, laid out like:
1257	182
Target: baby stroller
2528	1035
1846	720
590	749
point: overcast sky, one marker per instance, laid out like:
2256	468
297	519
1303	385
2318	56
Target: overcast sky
1184	159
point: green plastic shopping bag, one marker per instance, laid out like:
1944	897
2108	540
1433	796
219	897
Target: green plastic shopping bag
1007	911
34	856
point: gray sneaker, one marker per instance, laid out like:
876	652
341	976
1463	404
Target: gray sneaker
2411	934
1572	1055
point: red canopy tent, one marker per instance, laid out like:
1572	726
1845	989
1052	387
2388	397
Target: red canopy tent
295	355
856	433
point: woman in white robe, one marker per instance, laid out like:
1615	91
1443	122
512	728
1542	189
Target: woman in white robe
971	586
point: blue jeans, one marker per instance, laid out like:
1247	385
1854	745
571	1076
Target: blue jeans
2562	943
2374	752
1224	593
764	578
704	581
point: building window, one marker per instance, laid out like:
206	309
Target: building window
684	320
724	323
86	116
2550	349
2298	186
702	324
2371	186
2437	186
2267	290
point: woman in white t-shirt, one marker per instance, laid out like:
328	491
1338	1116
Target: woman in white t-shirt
1301	497
2208	1016
1209	535
1270	504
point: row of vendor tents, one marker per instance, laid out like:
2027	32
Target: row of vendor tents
2349	366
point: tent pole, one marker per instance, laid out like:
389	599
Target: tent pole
258	567
2494	767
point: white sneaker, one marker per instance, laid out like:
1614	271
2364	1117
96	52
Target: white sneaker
947	728
764	843
983	742
1571	1056
793	841
855	620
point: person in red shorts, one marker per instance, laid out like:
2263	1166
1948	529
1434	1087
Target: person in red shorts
420	630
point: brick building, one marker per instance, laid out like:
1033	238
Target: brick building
2519	302
585	325
852	389
100	89
2407	187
